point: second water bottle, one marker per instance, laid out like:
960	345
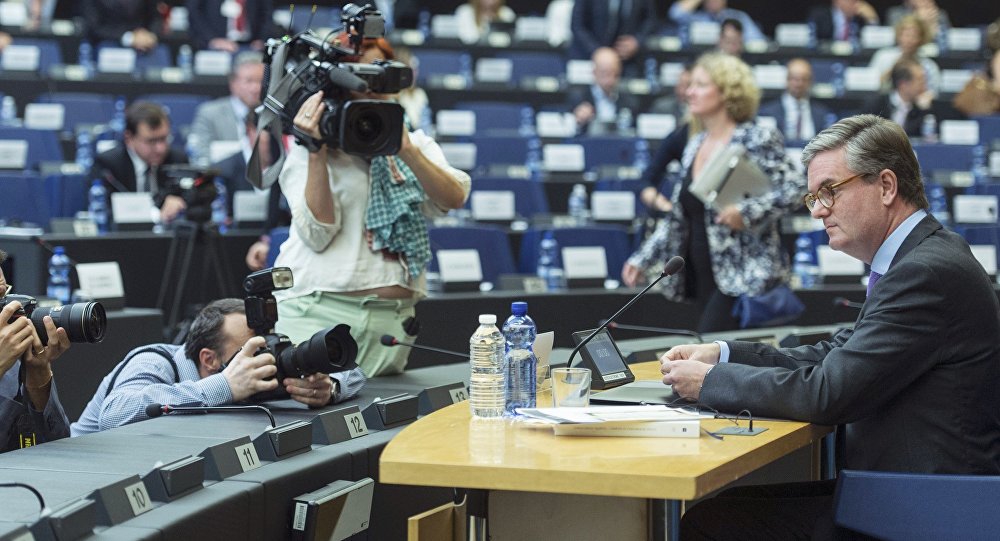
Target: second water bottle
520	362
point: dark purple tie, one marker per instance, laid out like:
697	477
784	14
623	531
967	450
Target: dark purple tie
872	278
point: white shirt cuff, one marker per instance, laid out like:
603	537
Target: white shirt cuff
724	351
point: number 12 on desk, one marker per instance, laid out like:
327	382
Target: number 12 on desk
247	455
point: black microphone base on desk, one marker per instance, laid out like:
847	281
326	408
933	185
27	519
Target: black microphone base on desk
283	441
435	398
176	479
71	521
391	412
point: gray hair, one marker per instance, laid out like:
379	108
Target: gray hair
244	58
873	144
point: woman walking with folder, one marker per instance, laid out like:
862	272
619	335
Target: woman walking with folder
735	250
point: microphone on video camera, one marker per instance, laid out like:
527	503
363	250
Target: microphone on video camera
345	79
841	301
674	265
389	340
657	330
156	410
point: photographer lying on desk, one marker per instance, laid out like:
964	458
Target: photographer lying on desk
198	374
30	412
913	383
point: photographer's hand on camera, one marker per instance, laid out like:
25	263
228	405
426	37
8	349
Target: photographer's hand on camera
18	340
315	390
172	206
247	374
441	187
16	337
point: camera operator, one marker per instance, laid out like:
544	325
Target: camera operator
191	374
30	412
340	277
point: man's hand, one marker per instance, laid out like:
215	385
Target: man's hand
631	275
16	338
39	357
315	390
308	117
704	353
172	206
684	367
584	113
143	40
626	47
247	373
257	255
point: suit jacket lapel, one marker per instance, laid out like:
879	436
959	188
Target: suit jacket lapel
924	229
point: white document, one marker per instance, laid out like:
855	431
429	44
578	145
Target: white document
986	255
613	421
793	35
564	158
877	37
212	63
834	263
553	124
584	262
220	150
960	132
44	116
116	60
132	207
101	280
250	206
494	70
452	122
654	126
13	153
580	72
460	155
608	205
20	58
862	79
770	76
459	266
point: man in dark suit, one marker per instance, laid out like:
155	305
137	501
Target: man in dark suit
914	381
136	166
225	25
595	24
599	109
903	105
128	23
842	20
796	115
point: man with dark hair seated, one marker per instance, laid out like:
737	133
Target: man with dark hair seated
192	374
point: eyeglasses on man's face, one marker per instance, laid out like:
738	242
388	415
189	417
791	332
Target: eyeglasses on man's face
825	195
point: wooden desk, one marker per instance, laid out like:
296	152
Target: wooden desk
447	449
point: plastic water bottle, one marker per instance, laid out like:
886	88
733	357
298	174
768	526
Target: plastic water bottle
185	61
520	362
59	276
624	121
84	150
652	72
804	267
527	127
578	204
928	129
118	120
533	161
424	23
980	170
938	200
220	215
97	205
465	67
549	269
8	111
486	352
641	161
85	57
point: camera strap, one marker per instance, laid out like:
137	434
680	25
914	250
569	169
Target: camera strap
159	350
268	119
22	432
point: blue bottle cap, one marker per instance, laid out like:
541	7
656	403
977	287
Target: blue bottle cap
519	308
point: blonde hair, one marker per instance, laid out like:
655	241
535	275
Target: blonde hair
915	22
735	81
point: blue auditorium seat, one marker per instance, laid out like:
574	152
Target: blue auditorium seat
82	107
278	236
43	145
66	194
500	150
48	52
600	151
915	507
989	128
180	107
491	243
21	199
529	195
498	117
614	240
936	157
432	62
535	64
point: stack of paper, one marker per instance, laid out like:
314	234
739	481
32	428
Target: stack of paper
631	421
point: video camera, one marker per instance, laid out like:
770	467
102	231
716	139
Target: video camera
83	321
330	350
193	184
364	127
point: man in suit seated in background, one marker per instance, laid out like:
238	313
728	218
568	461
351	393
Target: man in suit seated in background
598	109
842	19
906	103
796	115
225	25
136	166
914	381
224	119
192	375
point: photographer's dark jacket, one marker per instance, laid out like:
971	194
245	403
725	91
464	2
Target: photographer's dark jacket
152	377
20	424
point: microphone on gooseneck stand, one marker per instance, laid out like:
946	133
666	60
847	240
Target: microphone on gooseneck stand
673	266
658	330
842	302
156	410
390	341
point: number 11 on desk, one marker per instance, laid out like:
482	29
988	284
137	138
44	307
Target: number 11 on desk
247	454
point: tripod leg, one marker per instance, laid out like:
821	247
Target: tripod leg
189	231
161	299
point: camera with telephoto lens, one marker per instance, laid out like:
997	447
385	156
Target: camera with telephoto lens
330	350
196	186
364	127
83	321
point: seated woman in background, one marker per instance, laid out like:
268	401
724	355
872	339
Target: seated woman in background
981	95
733	250
911	34
475	17
935	19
